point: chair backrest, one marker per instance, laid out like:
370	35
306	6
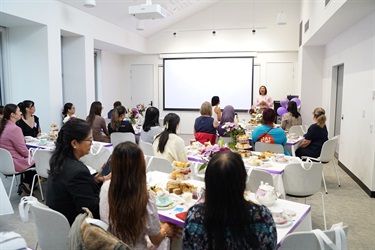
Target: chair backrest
307	240
304	128
297	129
160	164
194	166
255	177
52	227
6	162
328	150
42	158
118	137
302	181
146	148
276	148
96	161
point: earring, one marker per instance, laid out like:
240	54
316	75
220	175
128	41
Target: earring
74	147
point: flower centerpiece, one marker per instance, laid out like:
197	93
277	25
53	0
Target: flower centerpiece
141	108
132	114
69	117
233	130
210	151
256	115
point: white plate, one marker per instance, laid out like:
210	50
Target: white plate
170	206
243	148
285	225
280	160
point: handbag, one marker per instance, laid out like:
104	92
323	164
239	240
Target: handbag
262	135
340	238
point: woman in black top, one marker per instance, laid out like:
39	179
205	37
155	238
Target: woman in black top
29	123
118	124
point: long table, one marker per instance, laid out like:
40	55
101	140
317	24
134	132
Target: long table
301	222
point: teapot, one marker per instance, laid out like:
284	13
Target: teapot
266	194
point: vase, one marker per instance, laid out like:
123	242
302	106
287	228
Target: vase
132	120
232	143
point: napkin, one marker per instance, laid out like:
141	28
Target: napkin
182	215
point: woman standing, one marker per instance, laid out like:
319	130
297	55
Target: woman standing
267	132
29	123
97	122
216	112
205	125
292	118
315	137
167	144
125	203
228	116
70	185
151	126
11	139
263	101
226	220
118	124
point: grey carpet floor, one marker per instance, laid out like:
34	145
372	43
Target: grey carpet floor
348	204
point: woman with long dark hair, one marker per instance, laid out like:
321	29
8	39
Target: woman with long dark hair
11	139
118	124
292	118
29	123
168	144
151	126
97	122
70	184
226	220
315	137
125	203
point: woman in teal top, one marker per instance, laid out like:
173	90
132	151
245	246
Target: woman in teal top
267	133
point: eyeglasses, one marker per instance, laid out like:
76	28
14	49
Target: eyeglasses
89	140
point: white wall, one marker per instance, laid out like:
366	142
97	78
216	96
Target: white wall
354	49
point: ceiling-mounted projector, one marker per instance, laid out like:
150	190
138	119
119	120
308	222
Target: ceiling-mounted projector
147	11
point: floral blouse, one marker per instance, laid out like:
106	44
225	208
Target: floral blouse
262	230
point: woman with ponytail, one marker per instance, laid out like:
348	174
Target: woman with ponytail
315	137
29	123
118	124
70	184
167	144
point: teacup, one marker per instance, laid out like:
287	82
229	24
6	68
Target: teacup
162	197
43	141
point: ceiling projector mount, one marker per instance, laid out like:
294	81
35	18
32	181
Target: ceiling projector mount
147	11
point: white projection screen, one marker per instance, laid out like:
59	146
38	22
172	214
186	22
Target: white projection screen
188	82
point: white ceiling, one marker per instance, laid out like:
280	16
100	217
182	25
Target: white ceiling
117	12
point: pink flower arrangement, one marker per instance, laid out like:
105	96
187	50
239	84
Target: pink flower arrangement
141	108
210	151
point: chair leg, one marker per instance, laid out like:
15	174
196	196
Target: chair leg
337	173
324	182
40	186
324	212
32	185
11	186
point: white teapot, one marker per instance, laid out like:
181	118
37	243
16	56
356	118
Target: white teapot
266	194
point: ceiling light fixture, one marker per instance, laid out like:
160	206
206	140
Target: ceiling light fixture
174	34
282	18
140	25
214	33
89	3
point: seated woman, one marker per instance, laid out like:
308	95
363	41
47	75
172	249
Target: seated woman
268	133
226	220
97	122
315	137
167	144
292	118
29	123
125	204
205	125
118	124
227	116
11	139
151	126
68	111
70	185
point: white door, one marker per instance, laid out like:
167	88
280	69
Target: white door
142	82
338	114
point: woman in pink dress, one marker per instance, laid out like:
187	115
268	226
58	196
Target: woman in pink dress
11	139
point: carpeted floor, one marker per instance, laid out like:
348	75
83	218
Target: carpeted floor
348	204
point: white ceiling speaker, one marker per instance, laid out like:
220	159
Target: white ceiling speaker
89	3
282	18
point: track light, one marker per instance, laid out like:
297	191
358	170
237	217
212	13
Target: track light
214	33
89	3
282	18
140	25
174	34
254	31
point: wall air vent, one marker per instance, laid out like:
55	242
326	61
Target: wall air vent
307	25
327	2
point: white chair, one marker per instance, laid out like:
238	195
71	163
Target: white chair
326	155
118	137
146	148
255	177
304	179
41	158
276	148
308	240
297	130
96	161
159	164
7	168
305	128
52	227
194	166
